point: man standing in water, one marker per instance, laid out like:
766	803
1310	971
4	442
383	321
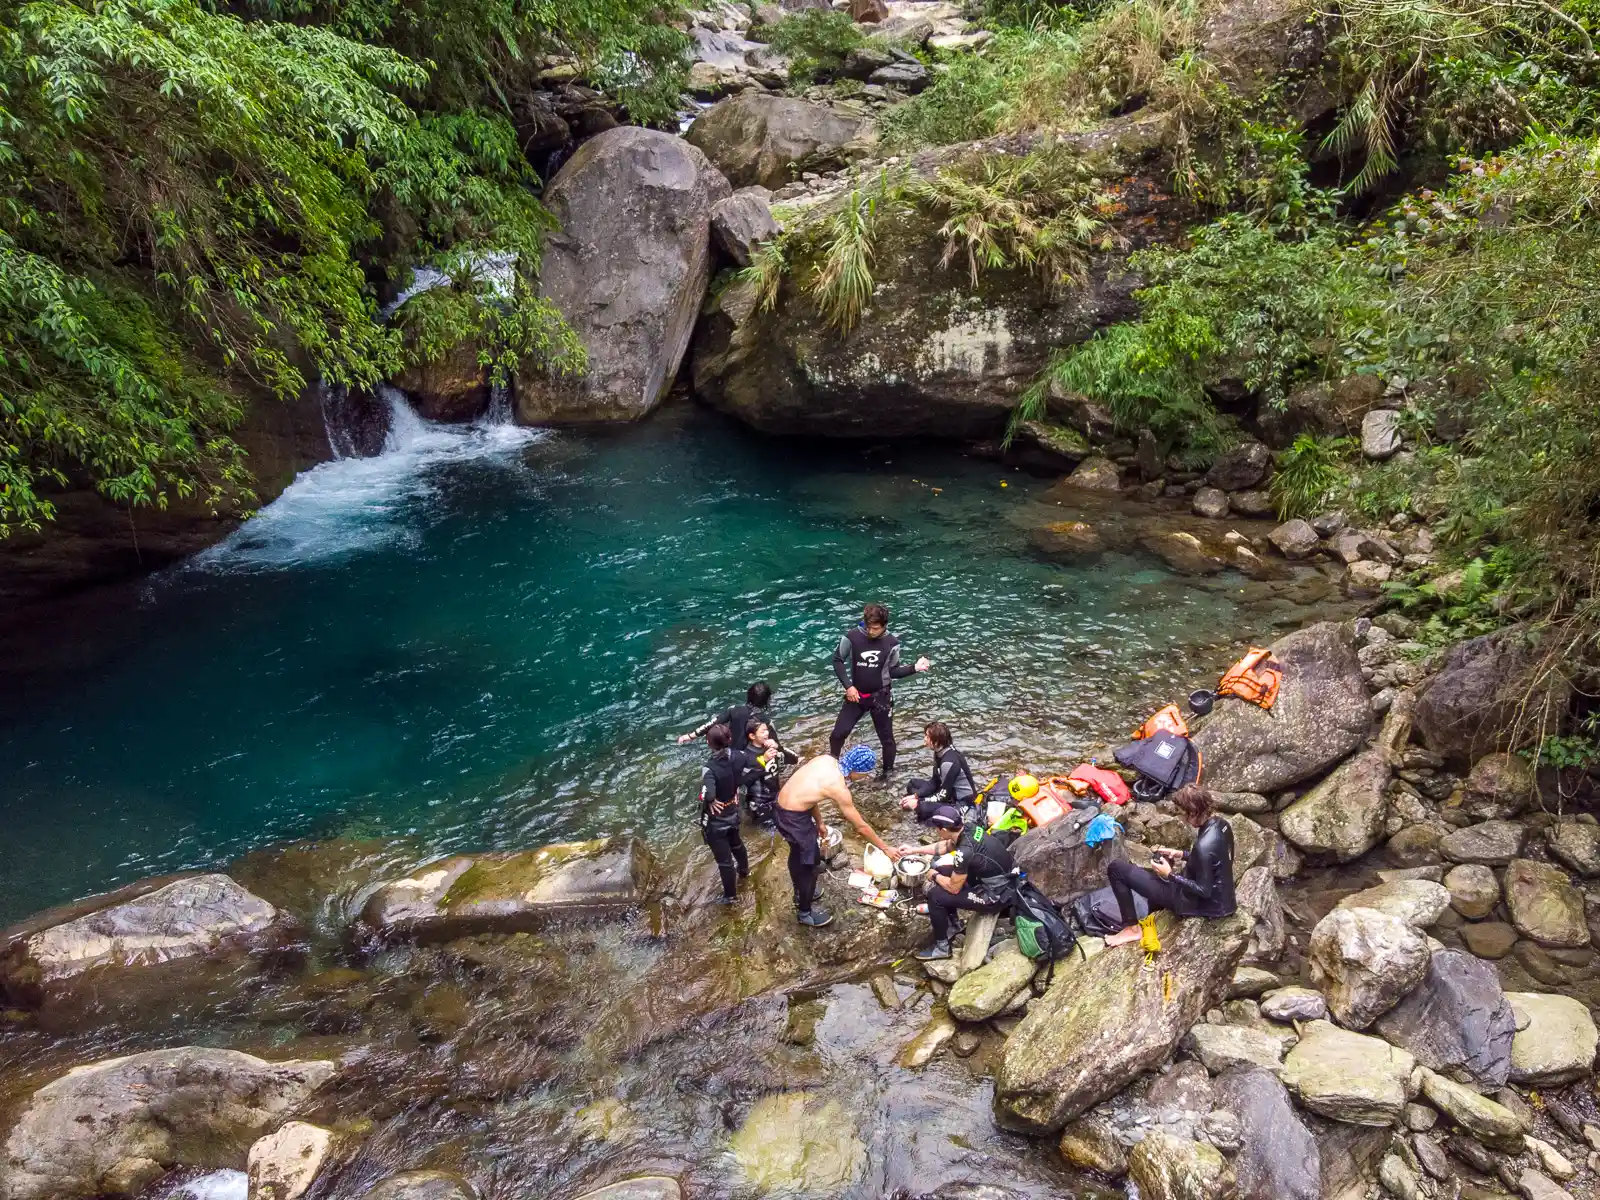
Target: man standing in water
867	662
799	817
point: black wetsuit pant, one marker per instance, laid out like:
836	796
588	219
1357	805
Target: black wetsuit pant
942	907
727	847
805	855
1126	879
881	708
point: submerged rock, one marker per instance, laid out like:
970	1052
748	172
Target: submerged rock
1106	1020
423	1185
1342	817
1349	1076
118	1124
1474	703
1322	713
1278	1159
1458	1019
756	138
1365	961
798	1142
628	270
1555	1042
504	893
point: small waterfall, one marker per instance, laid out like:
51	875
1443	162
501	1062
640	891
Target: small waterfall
405	429
499	405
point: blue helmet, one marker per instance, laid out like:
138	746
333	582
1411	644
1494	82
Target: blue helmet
858	760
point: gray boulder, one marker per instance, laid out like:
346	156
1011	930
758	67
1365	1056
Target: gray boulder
1380	433
1295	539
1577	845
1417	902
1544	905
1489	844
1060	863
1499	786
741	223
423	1185
1343	816
1322	714
1244	466
1096	474
1109	1019
756	138
1458	1019
1211	502
1279	1158
907	76
1294	1004
628	270
1474	705
1166	1167
1365	961
1219	1047
1555	1040
115	1126
1348	1076
508	893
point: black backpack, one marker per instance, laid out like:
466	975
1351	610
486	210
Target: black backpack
1164	759
1044	932
1098	914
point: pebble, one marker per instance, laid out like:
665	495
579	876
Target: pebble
965	1043
1419	1118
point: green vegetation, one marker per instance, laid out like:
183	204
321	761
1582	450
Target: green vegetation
816	42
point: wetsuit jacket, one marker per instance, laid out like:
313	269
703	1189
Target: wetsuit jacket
1205	887
764	790
870	665
952	781
738	719
982	859
725	773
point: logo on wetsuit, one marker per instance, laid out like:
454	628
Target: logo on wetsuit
869	658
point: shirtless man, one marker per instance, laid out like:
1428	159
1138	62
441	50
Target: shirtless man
799	818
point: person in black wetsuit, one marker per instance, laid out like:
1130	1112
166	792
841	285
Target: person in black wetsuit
971	872
1203	888
764	750
867	662
738	718
726	771
952	782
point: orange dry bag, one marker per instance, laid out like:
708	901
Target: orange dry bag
1250	680
1169	719
1110	786
1042	807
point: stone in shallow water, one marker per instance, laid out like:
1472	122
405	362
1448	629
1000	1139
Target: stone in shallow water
1090	1143
986	991
797	1141
284	1164
1544	905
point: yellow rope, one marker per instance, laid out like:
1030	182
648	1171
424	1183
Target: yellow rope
1148	941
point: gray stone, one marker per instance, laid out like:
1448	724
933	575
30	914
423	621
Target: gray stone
1457	1020
755	138
1417	902
907	76
628	270
1491	844
1419	1118
1535	1186
1244	466
1474	891
1278	1158
1096	475
1249	803
983	993
1380	433
1555	1040
1252	503
1493	1124
1367	578
1475	702
1220	1047
1250	982
1489	939
1059	862
1577	845
1173	1168
423	1185
1295	539
1365	961
1343	816
1544	905
742	222
113	1120
1321	715
646	1187
1398	1179
1499	786
1348	1076
1211	502
1294	1004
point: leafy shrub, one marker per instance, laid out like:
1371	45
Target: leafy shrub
1308	471
815	41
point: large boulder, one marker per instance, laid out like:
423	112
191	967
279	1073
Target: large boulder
1489	695
1058	860
1457	1020
136	941
1555	1040
1365	961
1109	1018
116	1125
1279	1159
1417	902
1343	816
506	893
1544	905
1349	1076
1174	1168
1322	714
981	994
628	269
759	139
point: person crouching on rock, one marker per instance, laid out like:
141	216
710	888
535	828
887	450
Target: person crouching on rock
766	752
799	819
1204	886
971	871
725	772
952	781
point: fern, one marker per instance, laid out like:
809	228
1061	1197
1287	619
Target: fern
1307	473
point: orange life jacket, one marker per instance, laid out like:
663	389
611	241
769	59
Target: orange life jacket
1043	807
1169	718
1250	680
1110	786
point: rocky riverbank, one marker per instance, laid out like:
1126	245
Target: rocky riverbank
1404	1001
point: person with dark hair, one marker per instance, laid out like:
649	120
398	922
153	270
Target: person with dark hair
764	750
799	819
952	782
725	772
739	717
1204	885
867	662
971	872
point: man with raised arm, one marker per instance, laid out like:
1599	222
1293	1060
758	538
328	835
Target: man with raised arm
867	662
799	818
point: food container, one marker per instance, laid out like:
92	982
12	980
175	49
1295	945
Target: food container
876	863
832	842
911	875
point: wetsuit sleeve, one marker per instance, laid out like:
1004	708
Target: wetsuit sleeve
708	790
896	669
841	661
721	719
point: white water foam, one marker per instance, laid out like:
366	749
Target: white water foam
352	505
219	1185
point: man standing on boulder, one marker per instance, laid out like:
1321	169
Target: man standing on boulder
867	662
799	818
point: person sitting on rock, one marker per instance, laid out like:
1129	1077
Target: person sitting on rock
971	871
766	752
725	772
952	781
1204	886
799	820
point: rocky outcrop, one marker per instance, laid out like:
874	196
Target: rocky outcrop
116	1125
1349	1076
1555	1040
505	893
423	1185
1475	702
1365	961
1279	1158
138	940
1059	862
1457	1020
1322	714
1109	1019
759	139
1544	905
628	270
1343	816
